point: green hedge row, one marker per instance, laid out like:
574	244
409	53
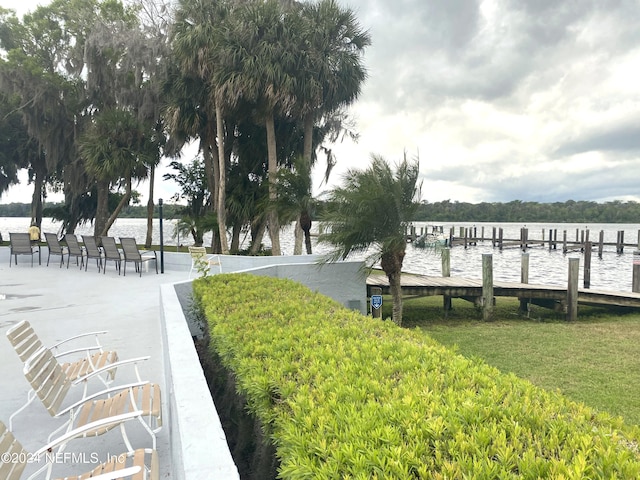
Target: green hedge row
346	396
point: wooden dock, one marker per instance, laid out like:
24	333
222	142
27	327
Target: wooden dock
582	241
551	296
565	241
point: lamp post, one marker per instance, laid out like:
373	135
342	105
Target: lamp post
161	237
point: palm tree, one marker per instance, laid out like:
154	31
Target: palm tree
295	201
260	66
195	219
329	79
372	210
116	149
332	72
197	38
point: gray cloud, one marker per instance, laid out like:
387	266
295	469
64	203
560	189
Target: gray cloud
548	82
607	138
615	181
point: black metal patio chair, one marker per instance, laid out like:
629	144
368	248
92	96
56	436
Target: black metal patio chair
74	249
111	252
20	244
54	247
133	254
92	251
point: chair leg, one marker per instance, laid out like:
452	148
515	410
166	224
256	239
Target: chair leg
31	395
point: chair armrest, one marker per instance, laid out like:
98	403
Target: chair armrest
77	350
111	366
101	393
79	432
102	332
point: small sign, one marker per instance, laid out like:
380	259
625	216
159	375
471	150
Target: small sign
376	301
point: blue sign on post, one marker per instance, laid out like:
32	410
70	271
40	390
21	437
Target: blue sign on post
376	301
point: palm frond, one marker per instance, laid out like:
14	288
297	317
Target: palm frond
372	209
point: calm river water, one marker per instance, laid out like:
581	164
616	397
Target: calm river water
612	272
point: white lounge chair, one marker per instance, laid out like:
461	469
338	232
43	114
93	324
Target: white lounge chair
143	463
200	260
94	361
51	386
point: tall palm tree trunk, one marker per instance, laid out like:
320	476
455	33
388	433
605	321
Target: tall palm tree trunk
307	154
274	224
123	201
298	238
211	165
36	199
222	184
102	207
256	237
305	224
235	236
307	151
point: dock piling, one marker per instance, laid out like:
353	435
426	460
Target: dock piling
587	263
487	286
446	272
572	289
600	243
524	278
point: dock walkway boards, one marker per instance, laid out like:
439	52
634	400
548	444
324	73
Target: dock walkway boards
423	285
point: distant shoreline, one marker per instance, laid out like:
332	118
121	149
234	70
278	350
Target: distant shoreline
586	212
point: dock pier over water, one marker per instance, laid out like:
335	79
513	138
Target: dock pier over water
549	238
483	292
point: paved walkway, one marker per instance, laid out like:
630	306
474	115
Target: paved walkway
61	302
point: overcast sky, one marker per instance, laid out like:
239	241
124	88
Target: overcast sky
533	100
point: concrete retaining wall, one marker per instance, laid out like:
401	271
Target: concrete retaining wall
198	443
342	281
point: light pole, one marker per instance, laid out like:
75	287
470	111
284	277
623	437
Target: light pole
161	237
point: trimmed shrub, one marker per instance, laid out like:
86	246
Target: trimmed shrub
344	396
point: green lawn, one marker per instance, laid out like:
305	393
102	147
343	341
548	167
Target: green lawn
595	360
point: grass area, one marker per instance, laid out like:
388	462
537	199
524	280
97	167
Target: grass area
595	360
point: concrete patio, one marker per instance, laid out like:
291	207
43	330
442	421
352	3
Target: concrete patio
61	302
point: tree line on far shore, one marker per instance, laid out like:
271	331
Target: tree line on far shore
169	210
447	211
570	211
